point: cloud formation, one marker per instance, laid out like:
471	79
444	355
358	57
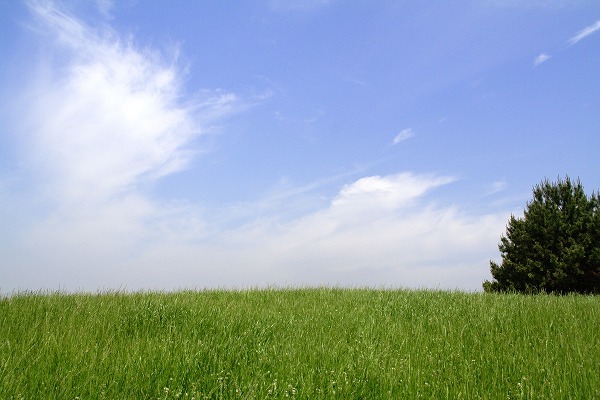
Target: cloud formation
99	121
403	135
111	115
105	119
377	231
542	58
585	32
495	187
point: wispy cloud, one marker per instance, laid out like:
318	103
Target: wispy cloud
387	192
585	32
378	230
357	81
100	121
403	135
113	115
495	187
542	58
109	118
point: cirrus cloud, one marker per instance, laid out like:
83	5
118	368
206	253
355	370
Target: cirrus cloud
403	135
102	118
108	114
97	120
585	32
542	58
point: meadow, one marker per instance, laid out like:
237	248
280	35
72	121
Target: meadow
310	343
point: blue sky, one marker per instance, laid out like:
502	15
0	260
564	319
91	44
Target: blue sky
183	144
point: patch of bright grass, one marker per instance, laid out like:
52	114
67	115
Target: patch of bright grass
299	343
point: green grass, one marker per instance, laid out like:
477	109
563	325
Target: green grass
305	343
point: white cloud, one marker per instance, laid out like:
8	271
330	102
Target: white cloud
403	135
111	116
495	187
378	230
98	119
585	32
386	192
542	58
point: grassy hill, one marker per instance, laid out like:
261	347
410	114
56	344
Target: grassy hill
321	343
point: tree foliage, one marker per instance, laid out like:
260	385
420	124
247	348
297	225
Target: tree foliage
555	246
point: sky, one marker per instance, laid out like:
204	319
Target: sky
166	145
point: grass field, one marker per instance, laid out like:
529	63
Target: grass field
321	343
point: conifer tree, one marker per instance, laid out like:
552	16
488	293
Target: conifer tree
555	246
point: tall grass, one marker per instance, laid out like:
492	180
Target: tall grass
299	343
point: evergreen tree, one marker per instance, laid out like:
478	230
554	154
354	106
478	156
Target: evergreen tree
555	247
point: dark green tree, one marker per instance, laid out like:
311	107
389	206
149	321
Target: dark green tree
555	246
